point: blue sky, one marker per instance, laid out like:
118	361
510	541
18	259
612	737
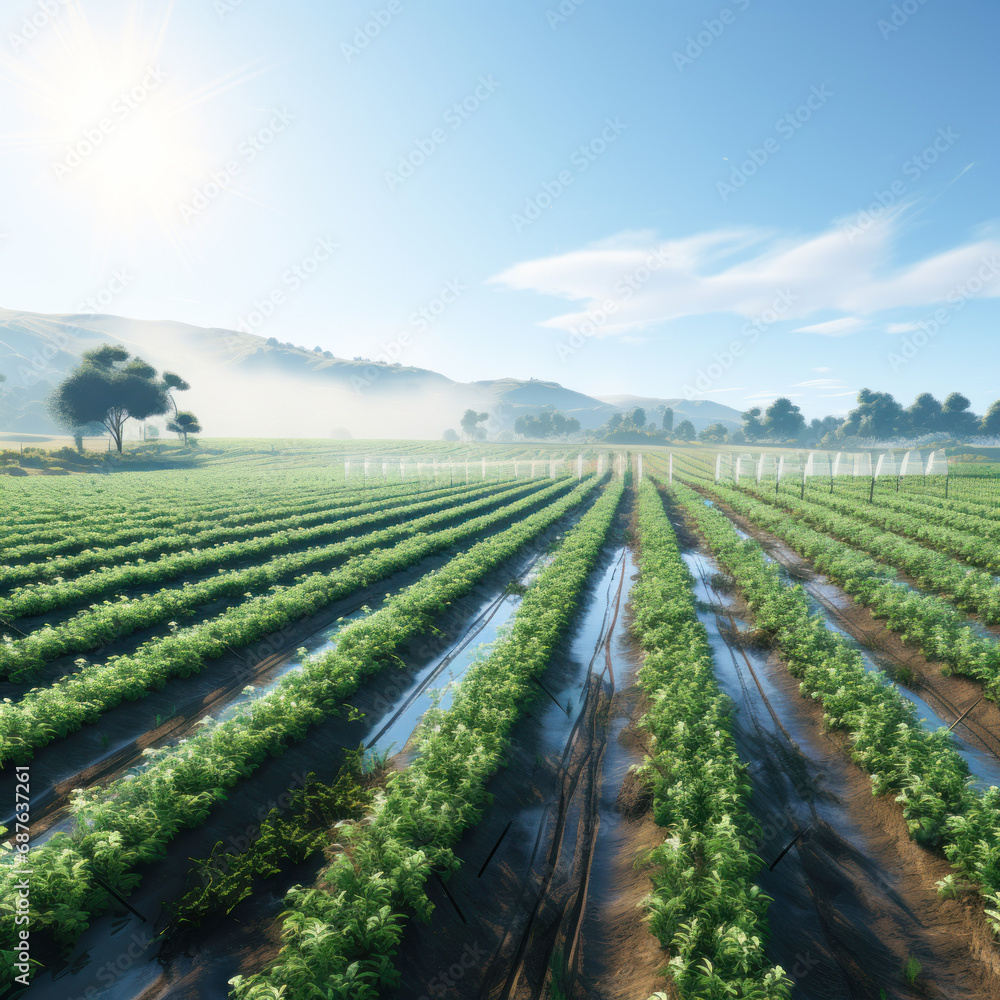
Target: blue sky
622	197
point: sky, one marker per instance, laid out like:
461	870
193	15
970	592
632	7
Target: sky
707	200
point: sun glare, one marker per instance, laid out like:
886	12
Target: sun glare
114	131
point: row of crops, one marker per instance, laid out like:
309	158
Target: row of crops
159	584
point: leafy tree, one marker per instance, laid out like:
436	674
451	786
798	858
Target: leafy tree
956	417
668	420
990	426
753	426
548	423
637	417
109	387
174	383
877	416
184	423
685	431
615	422
783	420
714	434
450	435
470	424
819	429
924	415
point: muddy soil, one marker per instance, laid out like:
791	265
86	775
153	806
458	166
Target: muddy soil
949	696
854	898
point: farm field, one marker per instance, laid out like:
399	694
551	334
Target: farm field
515	722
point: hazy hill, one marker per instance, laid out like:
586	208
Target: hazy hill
247	385
701	412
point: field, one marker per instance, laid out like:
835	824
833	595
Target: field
396	720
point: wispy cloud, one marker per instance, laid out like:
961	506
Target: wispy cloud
818	382
835	327
634	281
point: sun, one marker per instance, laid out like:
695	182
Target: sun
115	130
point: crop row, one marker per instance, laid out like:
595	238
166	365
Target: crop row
207	538
972	590
924	527
45	597
705	908
111	620
132	821
48	713
918	503
923	769
233	521
62	503
339	941
932	624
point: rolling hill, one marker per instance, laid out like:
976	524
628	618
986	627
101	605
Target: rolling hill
246	385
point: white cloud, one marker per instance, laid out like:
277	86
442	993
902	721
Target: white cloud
741	271
835	327
901	327
821	369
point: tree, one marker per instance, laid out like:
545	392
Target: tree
174	383
685	431
753	427
637	417
990	425
956	417
924	415
449	435
548	423
184	423
714	434
470	421
783	420
668	420
877	416
109	387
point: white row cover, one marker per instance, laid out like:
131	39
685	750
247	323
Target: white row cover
863	464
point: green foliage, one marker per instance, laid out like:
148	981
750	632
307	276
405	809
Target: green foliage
922	768
131	822
340	935
704	908
226	879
